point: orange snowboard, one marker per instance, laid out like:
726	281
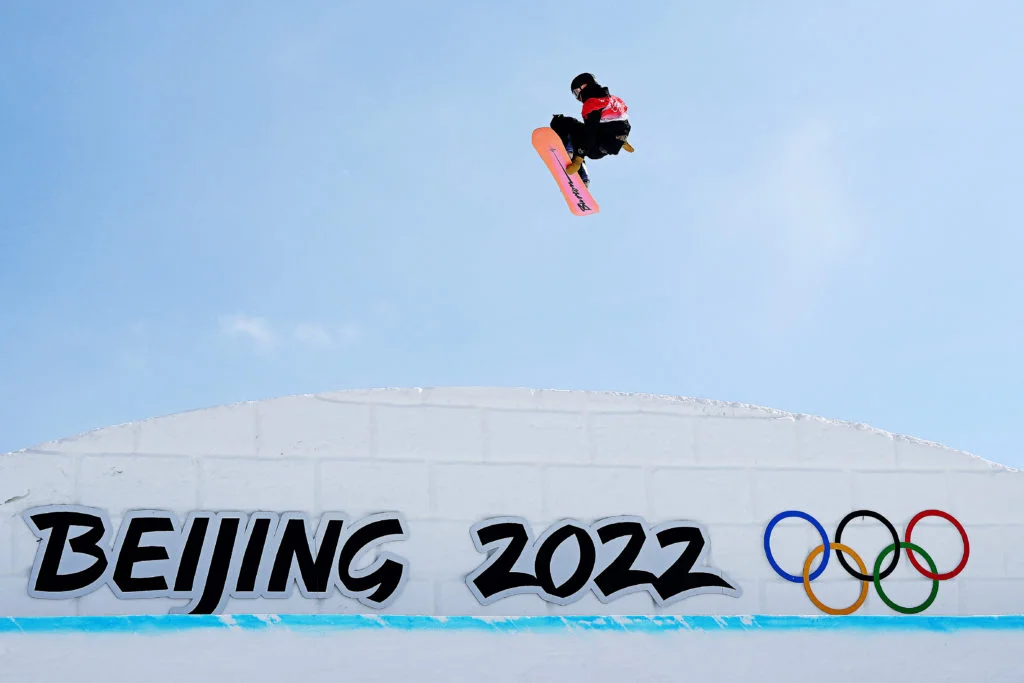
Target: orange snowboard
552	151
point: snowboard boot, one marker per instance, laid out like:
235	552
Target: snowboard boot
577	163
626	146
577	167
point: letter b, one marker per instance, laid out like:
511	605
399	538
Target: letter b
46	580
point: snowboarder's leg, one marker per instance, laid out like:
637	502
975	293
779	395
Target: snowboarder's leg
571	131
624	136
568	129
613	137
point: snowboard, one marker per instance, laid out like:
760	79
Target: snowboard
551	150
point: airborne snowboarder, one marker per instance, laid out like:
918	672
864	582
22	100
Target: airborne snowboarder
604	129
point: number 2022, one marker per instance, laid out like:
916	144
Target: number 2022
608	573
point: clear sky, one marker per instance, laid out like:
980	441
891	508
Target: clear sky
203	203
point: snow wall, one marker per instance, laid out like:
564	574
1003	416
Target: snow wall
507	534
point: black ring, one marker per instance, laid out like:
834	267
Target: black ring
895	539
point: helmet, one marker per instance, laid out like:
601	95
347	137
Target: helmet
578	83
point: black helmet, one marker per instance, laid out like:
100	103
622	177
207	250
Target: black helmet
578	83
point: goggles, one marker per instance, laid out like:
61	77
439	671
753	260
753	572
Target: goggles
578	92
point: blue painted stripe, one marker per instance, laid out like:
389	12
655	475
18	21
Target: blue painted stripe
167	623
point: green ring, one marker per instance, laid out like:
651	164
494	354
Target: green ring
878	582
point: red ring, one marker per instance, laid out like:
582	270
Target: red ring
963	535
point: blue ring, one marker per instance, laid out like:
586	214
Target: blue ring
768	551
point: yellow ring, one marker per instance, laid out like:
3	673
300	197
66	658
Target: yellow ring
807	580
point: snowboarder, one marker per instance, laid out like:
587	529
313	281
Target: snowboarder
605	126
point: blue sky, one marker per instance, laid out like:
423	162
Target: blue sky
203	203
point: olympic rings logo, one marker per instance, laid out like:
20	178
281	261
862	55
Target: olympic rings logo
878	573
